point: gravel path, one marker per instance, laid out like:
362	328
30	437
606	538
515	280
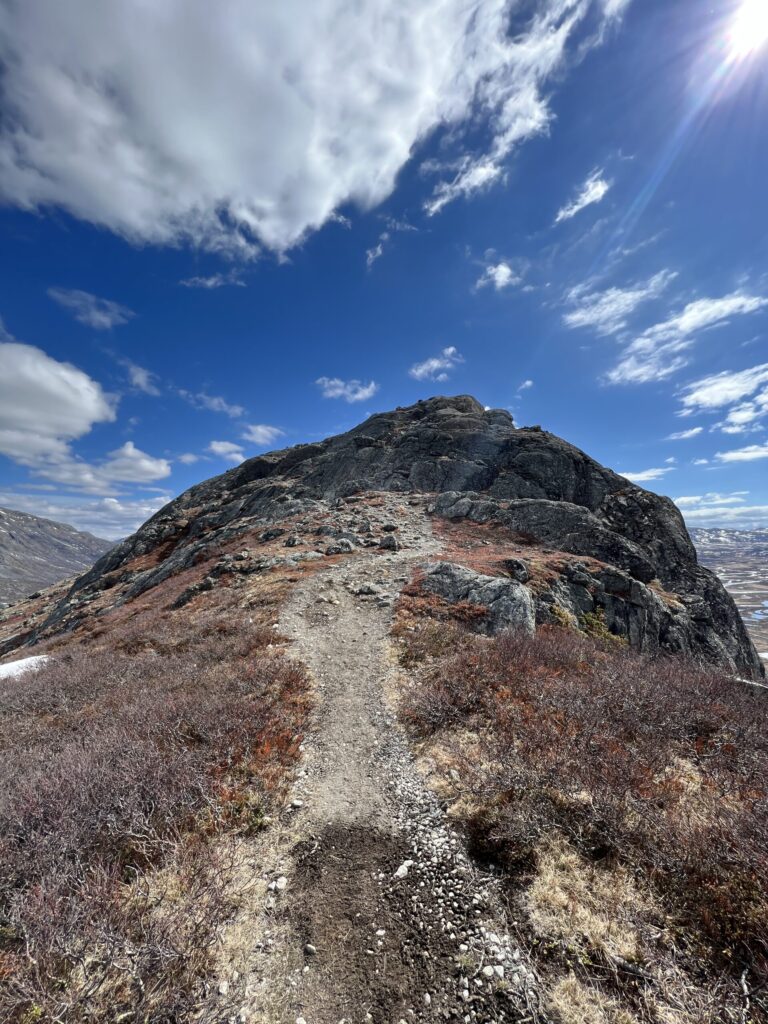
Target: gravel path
392	921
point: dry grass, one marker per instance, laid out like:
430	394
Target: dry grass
575	1003
625	797
128	773
579	902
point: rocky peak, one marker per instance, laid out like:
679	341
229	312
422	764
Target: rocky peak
473	465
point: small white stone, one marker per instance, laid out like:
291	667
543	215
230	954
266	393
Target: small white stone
402	871
281	883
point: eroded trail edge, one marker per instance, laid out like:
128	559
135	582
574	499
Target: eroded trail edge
387	917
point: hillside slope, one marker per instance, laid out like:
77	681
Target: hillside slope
35	553
317	745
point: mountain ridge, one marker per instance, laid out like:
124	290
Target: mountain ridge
36	552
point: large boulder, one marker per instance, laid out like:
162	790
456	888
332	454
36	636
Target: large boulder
507	603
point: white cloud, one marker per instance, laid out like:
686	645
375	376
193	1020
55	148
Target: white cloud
721	389
128	464
377	251
645	475
711	498
226	450
303	107
262	434
111	518
141	379
592	191
685	435
45	404
729	509
439	367
214	281
743	517
212	403
189	458
608	311
750	453
100	314
499	275
525	386
658	352
349	390
701	462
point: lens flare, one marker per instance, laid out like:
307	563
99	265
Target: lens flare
749	28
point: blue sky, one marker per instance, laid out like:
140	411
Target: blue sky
225	233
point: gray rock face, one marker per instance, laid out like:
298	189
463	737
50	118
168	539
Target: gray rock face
509	603
482	468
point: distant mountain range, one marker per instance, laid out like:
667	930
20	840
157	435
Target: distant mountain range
35	553
715	542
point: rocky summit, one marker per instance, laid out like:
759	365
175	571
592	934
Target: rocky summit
573	543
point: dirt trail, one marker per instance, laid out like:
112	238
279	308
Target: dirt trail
386	917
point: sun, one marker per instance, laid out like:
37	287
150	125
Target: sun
749	28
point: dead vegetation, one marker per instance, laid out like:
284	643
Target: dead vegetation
131	773
624	799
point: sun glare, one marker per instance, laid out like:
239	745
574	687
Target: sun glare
749	29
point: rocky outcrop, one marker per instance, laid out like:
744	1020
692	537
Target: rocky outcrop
507	603
481	468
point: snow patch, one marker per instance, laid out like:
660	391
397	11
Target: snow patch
19	668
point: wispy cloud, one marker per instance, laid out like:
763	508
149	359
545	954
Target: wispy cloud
189	458
219	280
644	475
437	368
658	352
731	389
498	276
141	378
729	509
685	435
751	453
227	450
594	190
349	390
262	434
88	309
376	251
212	403
608	312
526	384
711	498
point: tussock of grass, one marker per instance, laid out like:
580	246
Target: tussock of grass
582	903
575	1003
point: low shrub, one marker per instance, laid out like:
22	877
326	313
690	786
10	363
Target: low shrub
126	775
659	767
